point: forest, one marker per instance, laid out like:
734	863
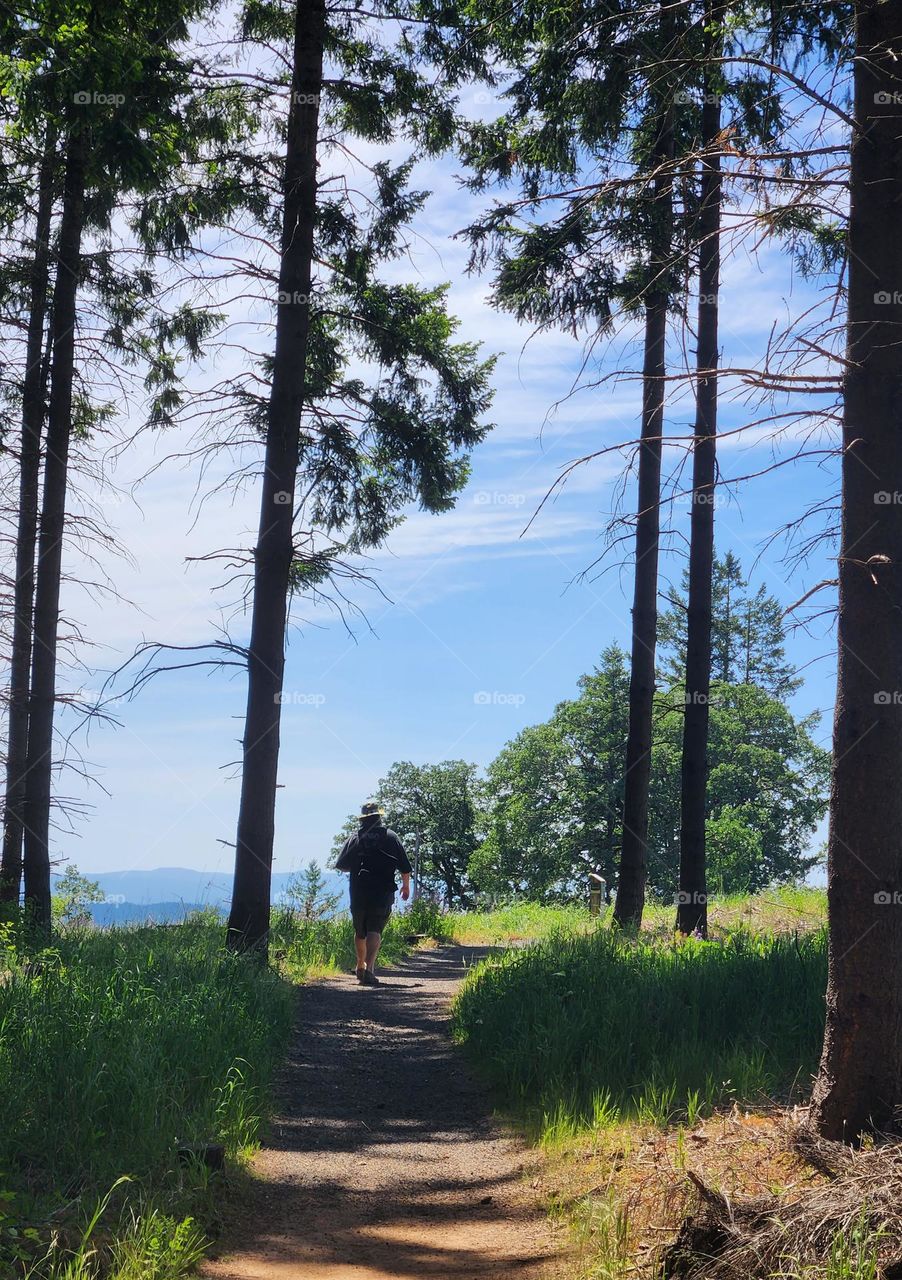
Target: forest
640	1006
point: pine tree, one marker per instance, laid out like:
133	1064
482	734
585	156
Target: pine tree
60	74
748	636
307	893
32	401
859	1085
692	898
344	455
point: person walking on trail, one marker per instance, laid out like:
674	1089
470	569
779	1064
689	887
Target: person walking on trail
372	856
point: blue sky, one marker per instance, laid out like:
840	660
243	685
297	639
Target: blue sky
480	630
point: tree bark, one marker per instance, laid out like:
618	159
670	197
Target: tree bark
248	927
859	1085
692	898
630	900
27	532
39	760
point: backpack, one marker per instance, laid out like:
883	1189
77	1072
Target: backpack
376	866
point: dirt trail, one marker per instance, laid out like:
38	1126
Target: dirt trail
384	1162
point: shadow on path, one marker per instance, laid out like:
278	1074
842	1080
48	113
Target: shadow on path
384	1161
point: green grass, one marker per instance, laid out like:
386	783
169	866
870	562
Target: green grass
783	909
585	1030
519	922
307	948
117	1048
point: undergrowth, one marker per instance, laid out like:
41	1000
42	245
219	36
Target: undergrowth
584	1031
117	1049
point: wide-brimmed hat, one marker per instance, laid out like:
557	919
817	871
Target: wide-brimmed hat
370	810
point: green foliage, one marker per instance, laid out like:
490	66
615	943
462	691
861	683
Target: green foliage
393	400
767	790
518	922
117	1048
308	896
586	1029
304	947
158	1247
439	806
121	77
748	639
554	794
73	894
425	916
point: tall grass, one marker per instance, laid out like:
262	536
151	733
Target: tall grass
585	1030
116	1049
306	948
518	922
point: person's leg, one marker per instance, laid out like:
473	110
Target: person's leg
372	943
358	916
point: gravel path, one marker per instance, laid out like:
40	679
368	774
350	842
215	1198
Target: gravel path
384	1161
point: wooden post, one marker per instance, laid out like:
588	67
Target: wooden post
596	890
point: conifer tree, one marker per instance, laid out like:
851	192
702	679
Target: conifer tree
345	452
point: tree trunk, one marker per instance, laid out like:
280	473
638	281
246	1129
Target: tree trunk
860	1080
27	534
39	761
692	899
633	871
248	927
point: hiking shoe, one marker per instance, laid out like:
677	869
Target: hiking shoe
360	973
369	979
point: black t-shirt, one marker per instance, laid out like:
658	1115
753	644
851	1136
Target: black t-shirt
373	855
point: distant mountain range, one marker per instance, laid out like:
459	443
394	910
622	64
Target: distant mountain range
167	894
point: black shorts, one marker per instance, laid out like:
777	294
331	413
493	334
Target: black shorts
370	915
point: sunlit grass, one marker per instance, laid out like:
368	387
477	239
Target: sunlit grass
584	1030
517	923
118	1049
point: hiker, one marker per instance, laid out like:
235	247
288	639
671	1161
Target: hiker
372	856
